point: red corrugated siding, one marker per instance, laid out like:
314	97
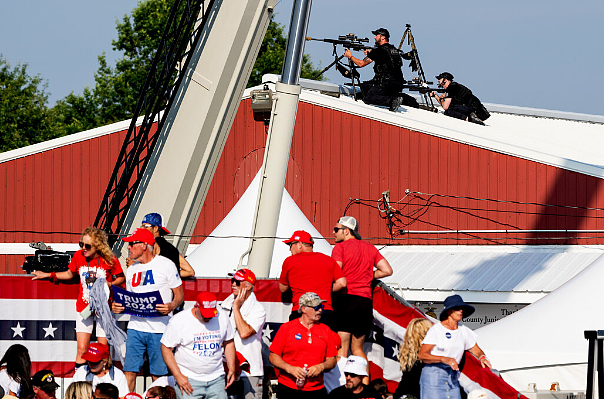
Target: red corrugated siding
58	190
337	156
334	157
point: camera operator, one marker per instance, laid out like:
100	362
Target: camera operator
94	260
385	87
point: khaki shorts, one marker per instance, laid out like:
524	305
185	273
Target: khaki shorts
86	325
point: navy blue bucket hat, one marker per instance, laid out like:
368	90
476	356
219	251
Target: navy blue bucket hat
455	301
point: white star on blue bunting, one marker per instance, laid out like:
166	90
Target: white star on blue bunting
18	330
50	330
266	334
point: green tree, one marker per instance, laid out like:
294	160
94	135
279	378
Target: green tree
271	55
24	117
116	90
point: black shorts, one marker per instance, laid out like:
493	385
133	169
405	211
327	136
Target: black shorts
353	314
327	318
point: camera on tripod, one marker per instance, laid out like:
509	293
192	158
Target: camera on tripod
46	260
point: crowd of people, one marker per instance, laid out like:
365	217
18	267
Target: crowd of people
385	88
215	350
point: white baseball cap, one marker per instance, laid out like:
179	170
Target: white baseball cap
356	365
351	224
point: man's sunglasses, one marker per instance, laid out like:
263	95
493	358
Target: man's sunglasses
134	243
87	246
319	307
351	375
336	229
237	282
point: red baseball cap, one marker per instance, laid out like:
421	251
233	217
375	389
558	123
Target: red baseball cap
96	352
206	302
132	395
245	275
300	236
142	235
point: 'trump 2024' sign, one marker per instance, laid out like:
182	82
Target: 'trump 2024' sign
136	304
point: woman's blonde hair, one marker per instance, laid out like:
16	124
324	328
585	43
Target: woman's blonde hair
79	390
416	331
99	240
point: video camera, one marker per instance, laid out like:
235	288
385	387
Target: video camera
46	260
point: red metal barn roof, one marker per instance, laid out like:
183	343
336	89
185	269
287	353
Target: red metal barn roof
338	153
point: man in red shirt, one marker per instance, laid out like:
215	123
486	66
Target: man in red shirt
302	350
308	271
354	309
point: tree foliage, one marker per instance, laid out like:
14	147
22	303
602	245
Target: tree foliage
271	55
25	118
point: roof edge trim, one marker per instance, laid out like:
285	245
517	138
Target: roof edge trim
67	140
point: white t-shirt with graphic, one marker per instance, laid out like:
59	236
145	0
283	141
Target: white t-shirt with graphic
450	343
198	344
157	275
119	379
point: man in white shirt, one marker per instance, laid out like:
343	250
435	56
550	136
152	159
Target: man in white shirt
247	317
149	273
192	347
99	369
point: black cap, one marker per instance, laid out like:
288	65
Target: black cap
445	75
382	31
45	380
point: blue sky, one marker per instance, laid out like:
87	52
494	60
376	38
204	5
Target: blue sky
542	53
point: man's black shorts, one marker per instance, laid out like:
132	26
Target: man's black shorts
353	314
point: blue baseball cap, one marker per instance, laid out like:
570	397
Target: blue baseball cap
156	219
455	301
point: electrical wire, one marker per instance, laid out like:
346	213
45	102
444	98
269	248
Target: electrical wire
413	206
397	220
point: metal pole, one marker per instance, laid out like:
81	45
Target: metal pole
278	145
591	337
298	25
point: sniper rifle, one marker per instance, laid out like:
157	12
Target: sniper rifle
350	41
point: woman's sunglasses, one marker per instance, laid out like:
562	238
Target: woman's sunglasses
87	246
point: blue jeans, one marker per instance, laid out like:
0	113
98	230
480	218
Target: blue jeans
439	381
204	389
137	343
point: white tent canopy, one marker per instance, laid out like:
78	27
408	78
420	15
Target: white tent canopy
219	254
544	342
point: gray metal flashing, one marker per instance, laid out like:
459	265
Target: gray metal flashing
496	274
544	113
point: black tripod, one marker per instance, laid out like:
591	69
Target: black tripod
420	81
